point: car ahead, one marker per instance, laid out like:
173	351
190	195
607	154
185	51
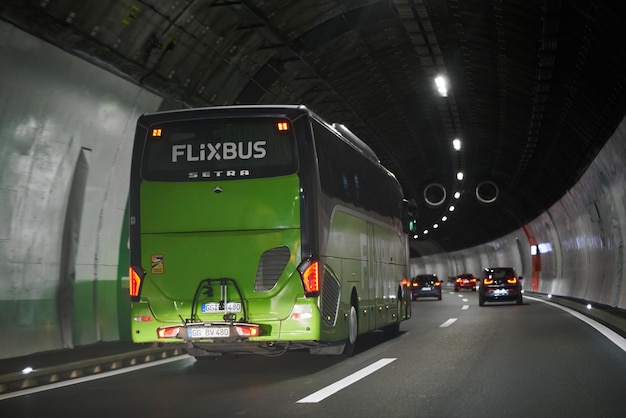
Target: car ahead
465	281
500	284
425	286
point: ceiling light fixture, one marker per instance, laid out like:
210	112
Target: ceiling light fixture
459	175
456	143
442	86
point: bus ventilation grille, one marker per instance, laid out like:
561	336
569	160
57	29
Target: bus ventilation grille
271	266
331	292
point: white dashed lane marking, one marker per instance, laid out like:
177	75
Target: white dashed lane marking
448	323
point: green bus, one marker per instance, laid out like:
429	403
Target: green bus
261	229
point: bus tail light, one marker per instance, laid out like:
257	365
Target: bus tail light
135	277
247	330
310	273
168	332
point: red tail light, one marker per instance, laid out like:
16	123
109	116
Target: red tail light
135	277
168	332
512	280
310	273
487	281
437	283
247	330
458	280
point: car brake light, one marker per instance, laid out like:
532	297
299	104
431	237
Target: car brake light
512	280
487	281
310	274
437	283
458	280
415	284
168	332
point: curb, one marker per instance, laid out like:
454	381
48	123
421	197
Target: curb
18	381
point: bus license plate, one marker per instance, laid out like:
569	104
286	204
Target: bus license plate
208	332
213	307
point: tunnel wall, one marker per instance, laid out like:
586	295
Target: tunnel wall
65	139
580	239
66	130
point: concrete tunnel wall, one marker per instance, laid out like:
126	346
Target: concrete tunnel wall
66	130
579	240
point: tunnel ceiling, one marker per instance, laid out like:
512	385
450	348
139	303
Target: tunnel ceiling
535	87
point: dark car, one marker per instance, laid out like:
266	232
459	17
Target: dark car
465	281
425	286
500	284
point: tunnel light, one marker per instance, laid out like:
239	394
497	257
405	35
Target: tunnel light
459	175
435	226
589	306
451	208
549	295
415	236
442	86
425	231
444	218
27	370
457	195
456	143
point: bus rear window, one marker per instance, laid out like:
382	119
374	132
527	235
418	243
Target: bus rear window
219	149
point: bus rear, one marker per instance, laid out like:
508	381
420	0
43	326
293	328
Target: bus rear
215	234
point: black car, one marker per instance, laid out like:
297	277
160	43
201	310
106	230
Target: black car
500	284
465	281
425	286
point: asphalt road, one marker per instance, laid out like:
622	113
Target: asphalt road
452	359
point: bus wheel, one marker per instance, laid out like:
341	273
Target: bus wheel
353	330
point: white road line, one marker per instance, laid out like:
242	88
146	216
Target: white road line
448	323
464	307
465	300
613	336
324	393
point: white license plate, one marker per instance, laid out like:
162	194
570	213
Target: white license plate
426	288
208	332
213	307
500	292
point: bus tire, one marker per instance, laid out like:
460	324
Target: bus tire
353	331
